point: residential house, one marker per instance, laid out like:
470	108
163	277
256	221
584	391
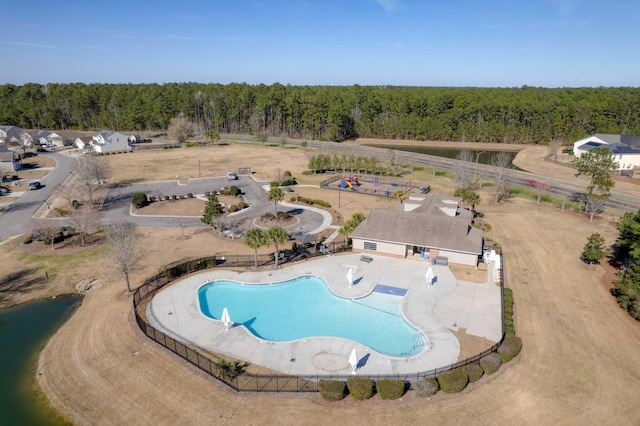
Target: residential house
57	139
624	148
9	161
424	225
110	141
12	135
83	142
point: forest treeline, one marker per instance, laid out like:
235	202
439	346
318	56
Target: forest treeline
509	115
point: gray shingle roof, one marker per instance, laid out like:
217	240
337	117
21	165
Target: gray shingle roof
421	229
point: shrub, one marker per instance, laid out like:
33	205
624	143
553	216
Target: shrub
293	199
426	387
453	381
190	195
139	199
61	212
75	204
286	174
360	388
28	240
233	209
510	348
242	205
289	182
390	388
234	190
321	203
307	172
507	296
274	184
491	363
332	390
474	371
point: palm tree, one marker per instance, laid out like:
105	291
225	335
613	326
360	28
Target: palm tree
401	195
277	236
275	195
255	239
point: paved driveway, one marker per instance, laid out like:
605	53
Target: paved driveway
14	220
117	203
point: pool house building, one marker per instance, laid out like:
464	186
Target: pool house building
428	226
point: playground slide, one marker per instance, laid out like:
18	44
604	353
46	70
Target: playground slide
348	182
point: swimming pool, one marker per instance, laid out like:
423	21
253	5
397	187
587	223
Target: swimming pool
304	307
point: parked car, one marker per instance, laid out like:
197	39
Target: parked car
35	185
3	190
231	176
42	149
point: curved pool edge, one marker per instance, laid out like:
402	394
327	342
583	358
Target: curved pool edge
425	344
189	324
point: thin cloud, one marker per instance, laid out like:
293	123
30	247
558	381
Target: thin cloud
20	43
389	6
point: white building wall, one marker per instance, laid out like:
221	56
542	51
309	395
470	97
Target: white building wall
460	258
389	249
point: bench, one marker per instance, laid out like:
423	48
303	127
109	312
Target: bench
366	259
440	260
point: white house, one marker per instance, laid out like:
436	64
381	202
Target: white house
83	142
423	225
110	141
624	148
58	139
12	135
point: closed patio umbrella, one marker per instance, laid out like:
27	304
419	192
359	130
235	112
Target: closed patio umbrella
226	319
353	360
429	276
350	277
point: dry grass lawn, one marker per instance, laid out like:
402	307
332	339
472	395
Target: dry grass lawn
579	364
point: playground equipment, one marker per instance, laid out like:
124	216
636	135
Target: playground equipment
349	182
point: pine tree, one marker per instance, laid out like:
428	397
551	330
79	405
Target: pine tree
212	210
593	250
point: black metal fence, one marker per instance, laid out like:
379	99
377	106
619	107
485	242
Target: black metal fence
244	382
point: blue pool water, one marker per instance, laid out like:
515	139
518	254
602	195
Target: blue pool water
304	307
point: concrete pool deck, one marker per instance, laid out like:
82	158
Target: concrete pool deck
449	304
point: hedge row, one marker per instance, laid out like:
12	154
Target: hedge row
361	388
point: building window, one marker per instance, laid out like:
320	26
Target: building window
370	246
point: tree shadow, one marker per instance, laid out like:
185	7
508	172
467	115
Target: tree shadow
20	282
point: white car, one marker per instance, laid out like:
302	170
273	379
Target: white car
231	176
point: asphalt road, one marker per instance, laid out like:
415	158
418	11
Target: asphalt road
14	220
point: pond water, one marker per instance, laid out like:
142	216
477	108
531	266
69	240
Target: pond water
483	156
24	331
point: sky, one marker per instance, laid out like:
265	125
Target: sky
481	43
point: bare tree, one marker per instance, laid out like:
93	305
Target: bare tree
68	191
48	231
595	204
540	187
181	128
93	171
500	162
22	140
124	248
554	147
463	168
234	225
83	219
180	222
